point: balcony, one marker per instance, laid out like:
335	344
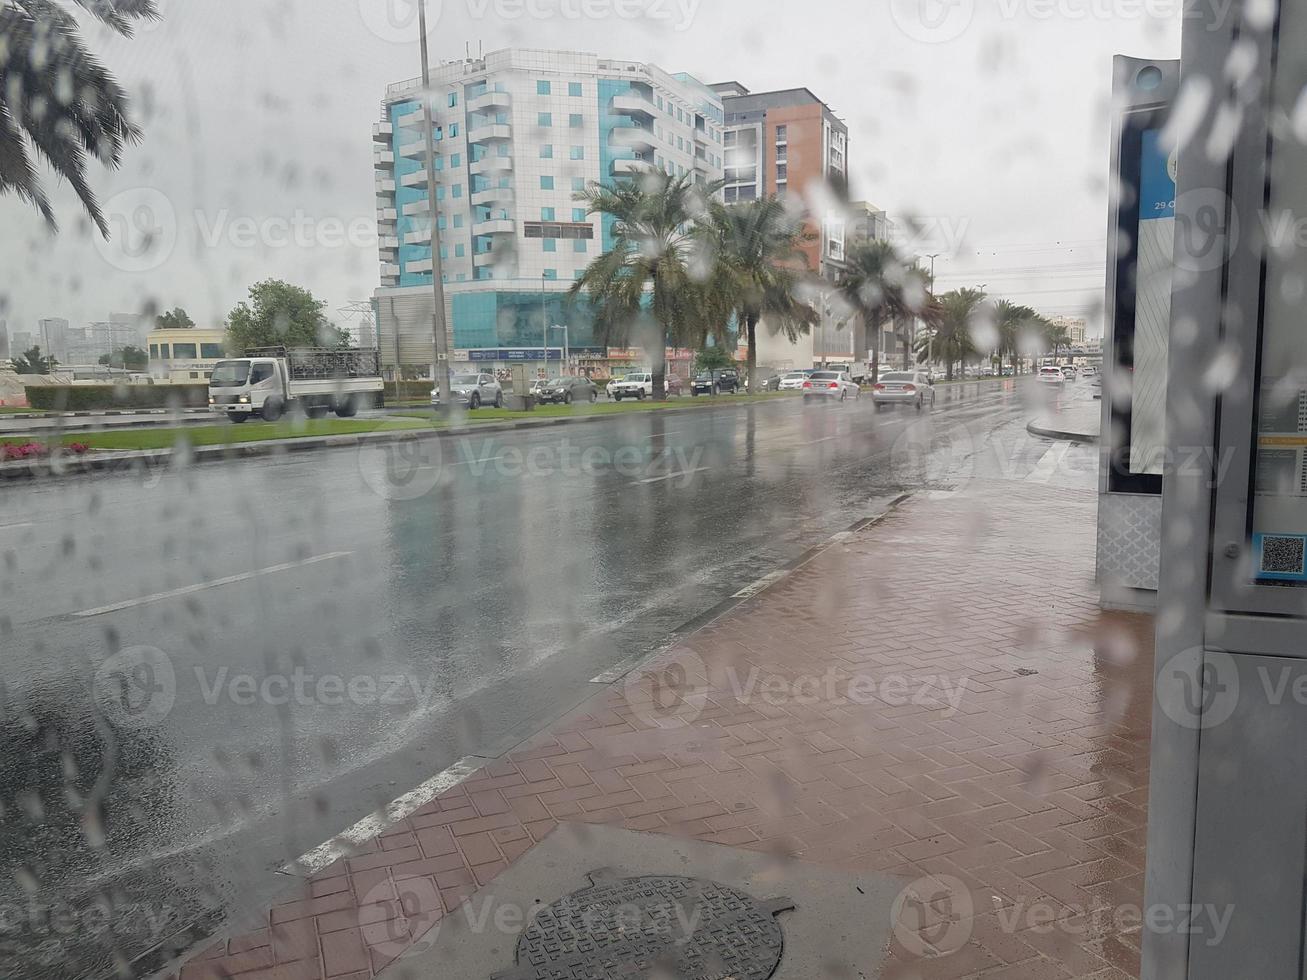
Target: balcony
701	137
382	132
489	132
633	104
419	236
491	165
482	259
626	168
385	185
389	270
383	160
387	214
495	226
410	120
417	149
418	265
420	206
490	100
493	195
633	137
418	178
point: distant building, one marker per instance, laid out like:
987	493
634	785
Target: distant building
185	355
1075	329
4	341
367	335
53	332
20	342
867	223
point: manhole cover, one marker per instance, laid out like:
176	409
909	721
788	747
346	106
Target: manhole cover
652	927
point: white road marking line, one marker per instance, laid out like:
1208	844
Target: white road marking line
1048	464
343	844
14	527
673	476
660	435
215	583
470	462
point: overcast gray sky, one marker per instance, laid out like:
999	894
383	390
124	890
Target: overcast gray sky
985	118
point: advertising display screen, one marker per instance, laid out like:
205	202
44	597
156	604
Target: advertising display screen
1143	305
1279	512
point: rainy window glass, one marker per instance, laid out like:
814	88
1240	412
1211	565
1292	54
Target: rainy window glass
390	588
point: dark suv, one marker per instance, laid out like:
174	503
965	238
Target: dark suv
716	382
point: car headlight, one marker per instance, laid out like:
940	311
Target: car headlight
244	399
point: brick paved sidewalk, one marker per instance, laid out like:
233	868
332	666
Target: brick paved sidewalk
938	697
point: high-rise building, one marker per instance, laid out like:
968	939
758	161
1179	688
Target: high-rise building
20	342
517	135
867	223
4	342
53	332
1075	328
789	143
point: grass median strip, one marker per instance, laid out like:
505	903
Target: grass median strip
581	410
225	434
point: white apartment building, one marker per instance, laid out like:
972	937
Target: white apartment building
517	134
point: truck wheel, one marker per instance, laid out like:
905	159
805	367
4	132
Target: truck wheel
639	395
617	398
317	411
347	409
272	410
238	417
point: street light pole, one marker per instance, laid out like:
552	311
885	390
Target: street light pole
930	342
439	329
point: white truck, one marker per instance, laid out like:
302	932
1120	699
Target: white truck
269	381
637	384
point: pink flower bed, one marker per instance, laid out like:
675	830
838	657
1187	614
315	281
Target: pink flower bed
10	451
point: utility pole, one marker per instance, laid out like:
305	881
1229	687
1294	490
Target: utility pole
440	369
930	342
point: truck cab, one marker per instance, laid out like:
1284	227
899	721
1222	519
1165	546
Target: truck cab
244	386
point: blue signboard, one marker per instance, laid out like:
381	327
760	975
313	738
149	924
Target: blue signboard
1156	179
530	353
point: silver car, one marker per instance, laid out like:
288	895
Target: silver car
472	391
793	380
830	385
913	388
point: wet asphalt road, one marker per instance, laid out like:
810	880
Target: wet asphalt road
210	672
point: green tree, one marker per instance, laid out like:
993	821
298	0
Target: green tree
877	284
174	319
1016	325
129	357
650	285
1054	336
758	265
279	313
33	361
953	342
713	359
58	104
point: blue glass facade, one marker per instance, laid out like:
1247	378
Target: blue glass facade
406	223
501	318
609	121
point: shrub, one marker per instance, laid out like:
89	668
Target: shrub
83	398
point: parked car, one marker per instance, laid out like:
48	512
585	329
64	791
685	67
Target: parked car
792	380
715	382
1089	371
769	383
536	385
567	390
1051	374
472	391
830	385
1069	372
904	388
637	384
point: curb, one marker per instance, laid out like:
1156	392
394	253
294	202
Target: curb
105	412
129	460
1036	430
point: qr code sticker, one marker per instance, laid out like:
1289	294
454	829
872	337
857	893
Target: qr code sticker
1283	555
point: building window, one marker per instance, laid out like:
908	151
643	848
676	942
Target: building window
578	274
195	375
546	151
781	132
540	229
154	350
579	245
462	277
577	153
458	221
576	120
163	351
458	190
459	251
453	99
546	214
453	130
782	173
574	89
546	182
578	215
550	244
658	99
456	160
210	351
542	87
545	118
183	350
578	184
549	274
782	152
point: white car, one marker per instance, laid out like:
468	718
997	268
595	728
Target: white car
831	385
472	391
792	380
1051	374
1069	372
637	385
903	388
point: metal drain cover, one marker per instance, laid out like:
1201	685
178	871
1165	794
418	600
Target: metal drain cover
652	927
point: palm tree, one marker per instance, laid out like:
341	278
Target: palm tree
958	309
1015	322
877	283
651	282
1054	336
57	102
756	247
